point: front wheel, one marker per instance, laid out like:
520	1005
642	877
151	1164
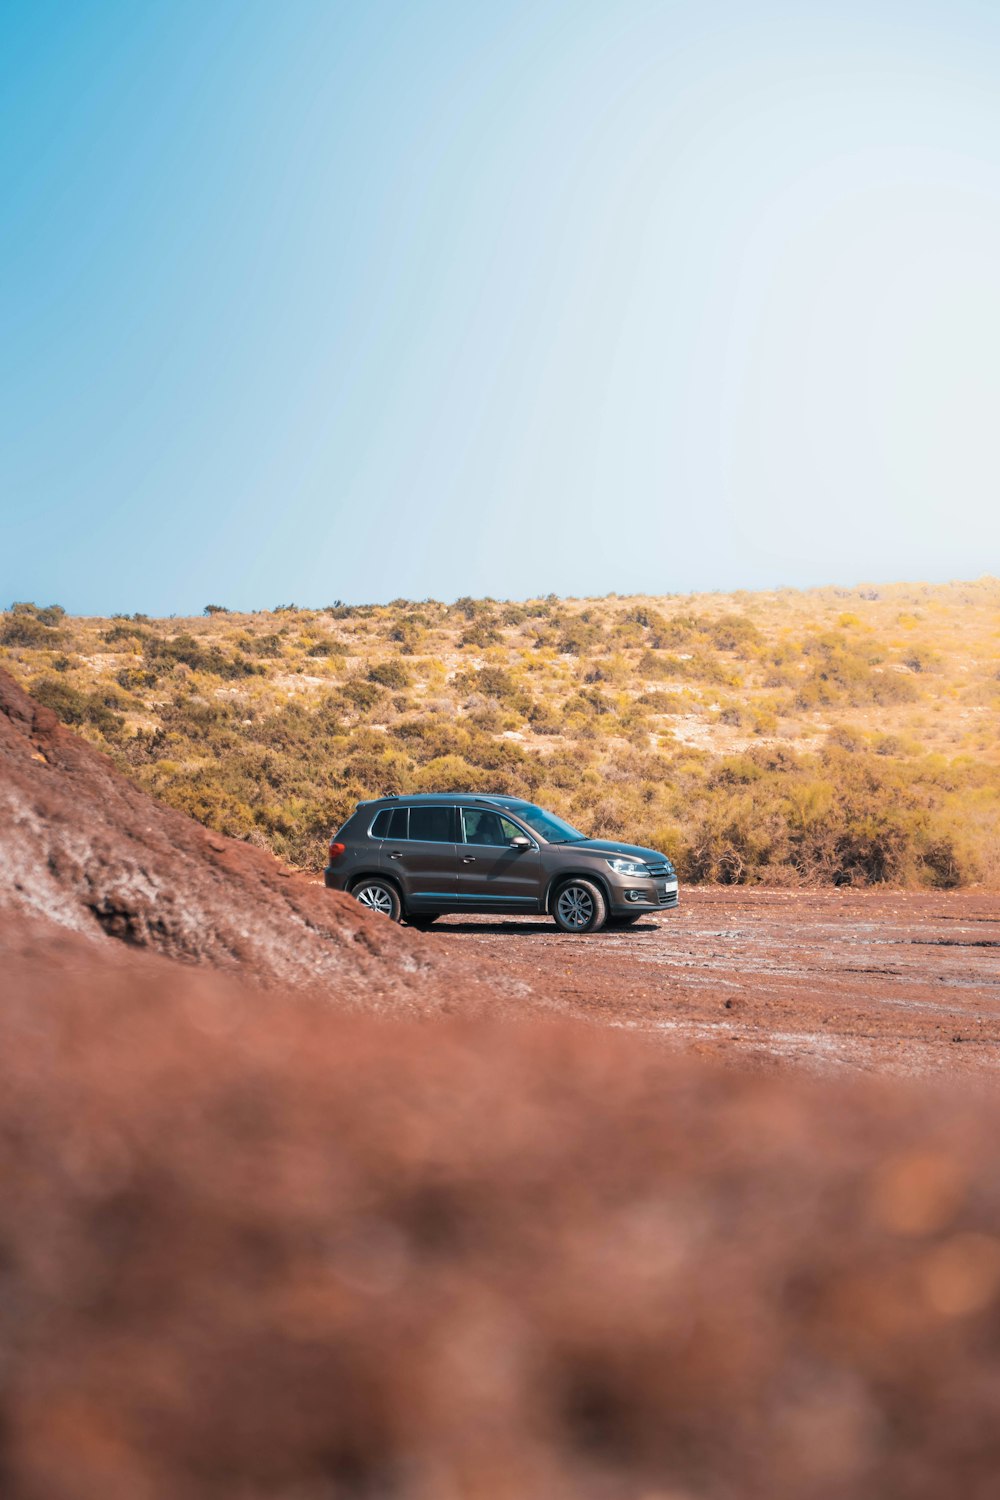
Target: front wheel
378	895
579	907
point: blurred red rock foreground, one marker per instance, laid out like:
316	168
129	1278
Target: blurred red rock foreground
252	1247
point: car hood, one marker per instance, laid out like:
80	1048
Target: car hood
610	847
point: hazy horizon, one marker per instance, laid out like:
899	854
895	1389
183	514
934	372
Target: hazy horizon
310	302
867	588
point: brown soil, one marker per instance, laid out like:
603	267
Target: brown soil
899	982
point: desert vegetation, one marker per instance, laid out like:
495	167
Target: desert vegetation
828	736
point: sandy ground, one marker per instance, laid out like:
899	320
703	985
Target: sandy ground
897	982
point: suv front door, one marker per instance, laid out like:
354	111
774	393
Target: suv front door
491	871
424	858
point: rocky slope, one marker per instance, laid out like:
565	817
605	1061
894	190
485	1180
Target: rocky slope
83	849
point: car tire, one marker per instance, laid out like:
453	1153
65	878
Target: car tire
378	895
578	906
421	921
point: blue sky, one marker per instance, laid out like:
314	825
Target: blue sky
307	301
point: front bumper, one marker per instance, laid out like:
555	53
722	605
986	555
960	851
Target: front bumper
656	894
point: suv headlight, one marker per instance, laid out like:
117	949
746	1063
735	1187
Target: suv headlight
623	866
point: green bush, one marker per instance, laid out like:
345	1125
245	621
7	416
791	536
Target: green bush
124	631
185	650
363	695
390	674
75	708
51	614
268	646
24	628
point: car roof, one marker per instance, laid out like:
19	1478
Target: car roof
448	799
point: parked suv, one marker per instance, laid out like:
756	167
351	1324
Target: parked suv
419	857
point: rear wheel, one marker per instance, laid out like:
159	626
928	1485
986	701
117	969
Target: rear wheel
579	907
378	895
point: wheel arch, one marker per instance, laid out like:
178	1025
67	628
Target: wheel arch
376	874
566	877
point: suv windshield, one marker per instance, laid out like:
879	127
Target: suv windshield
552	829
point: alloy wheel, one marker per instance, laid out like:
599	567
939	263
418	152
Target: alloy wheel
575	907
376	898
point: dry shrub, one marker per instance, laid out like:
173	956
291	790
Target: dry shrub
704	662
25	629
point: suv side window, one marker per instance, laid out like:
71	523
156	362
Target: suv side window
483	826
436	825
390	823
397	823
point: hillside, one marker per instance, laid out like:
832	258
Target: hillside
823	736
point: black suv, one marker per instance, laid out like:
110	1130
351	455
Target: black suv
419	857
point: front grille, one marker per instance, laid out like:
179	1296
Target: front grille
659	870
668	898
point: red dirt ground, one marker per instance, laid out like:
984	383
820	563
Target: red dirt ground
889	981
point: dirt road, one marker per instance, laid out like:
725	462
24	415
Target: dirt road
901	982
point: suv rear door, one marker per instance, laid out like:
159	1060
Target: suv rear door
420	850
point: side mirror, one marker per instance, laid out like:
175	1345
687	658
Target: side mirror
520	842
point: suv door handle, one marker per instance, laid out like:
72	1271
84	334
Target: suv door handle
395	856
469	859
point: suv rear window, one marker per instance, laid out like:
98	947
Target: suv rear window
397	823
434	824
390	823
